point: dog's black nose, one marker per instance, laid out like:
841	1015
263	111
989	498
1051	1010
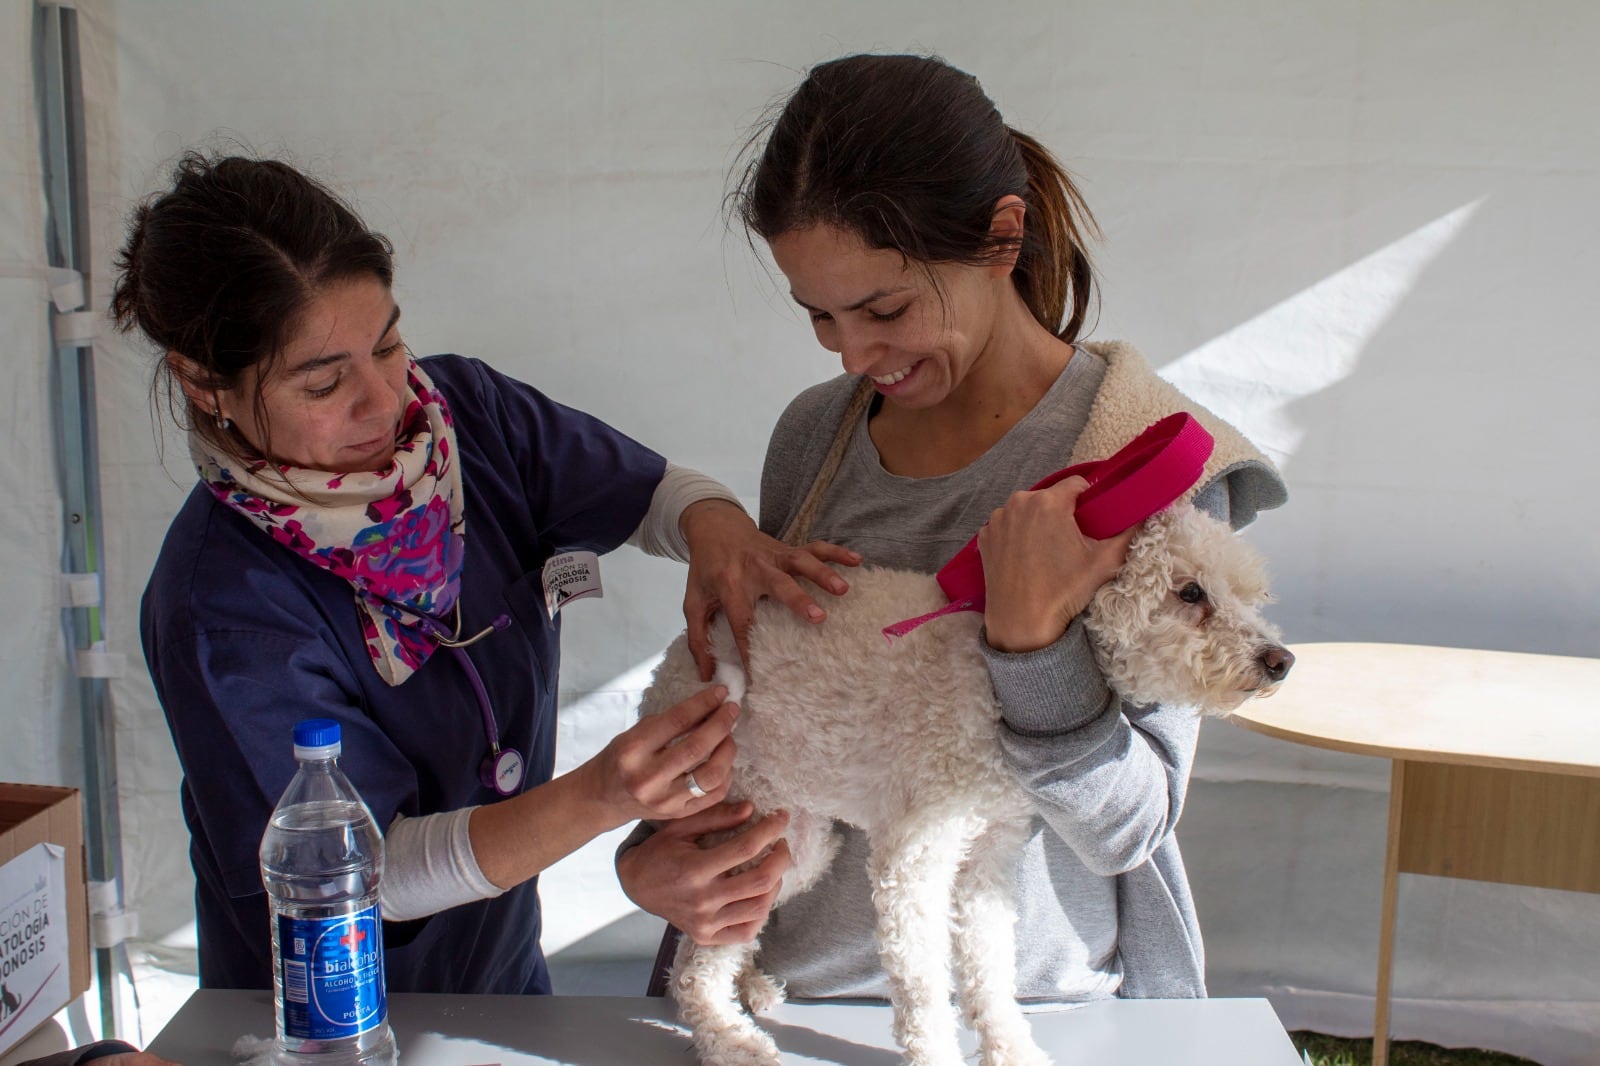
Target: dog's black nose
1275	662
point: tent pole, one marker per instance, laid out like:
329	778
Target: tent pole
67	239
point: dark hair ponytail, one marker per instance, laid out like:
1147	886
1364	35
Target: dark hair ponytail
1053	264
908	153
221	267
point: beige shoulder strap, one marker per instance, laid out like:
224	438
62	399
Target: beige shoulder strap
798	531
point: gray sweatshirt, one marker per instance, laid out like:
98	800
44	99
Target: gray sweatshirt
1103	901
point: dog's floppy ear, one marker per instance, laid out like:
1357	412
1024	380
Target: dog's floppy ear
1124	609
1127	602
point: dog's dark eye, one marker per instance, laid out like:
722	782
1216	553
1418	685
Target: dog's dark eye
1191	593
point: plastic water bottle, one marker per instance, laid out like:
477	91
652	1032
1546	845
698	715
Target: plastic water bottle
321	860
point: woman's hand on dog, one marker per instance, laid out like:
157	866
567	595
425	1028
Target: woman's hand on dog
642	772
732	564
697	888
1039	569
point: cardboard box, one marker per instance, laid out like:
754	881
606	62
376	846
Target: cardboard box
44	906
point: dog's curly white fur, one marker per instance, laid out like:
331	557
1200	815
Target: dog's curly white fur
901	740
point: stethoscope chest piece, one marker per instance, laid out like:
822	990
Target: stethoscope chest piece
503	768
502	771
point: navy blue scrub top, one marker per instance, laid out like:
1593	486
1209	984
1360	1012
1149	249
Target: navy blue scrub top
244	638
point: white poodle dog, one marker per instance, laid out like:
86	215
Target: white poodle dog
900	739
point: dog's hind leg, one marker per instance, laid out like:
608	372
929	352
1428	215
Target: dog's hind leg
913	871
813	841
985	947
703	985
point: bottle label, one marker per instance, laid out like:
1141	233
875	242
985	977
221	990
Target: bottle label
332	975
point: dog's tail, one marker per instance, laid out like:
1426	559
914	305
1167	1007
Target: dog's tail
730	669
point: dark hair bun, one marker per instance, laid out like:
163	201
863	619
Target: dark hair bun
220	267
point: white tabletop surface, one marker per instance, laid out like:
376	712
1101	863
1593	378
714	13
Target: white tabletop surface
622	1031
1463	706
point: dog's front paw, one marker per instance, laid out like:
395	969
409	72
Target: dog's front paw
759	991
738	1047
1020	1053
1006	1039
924	1056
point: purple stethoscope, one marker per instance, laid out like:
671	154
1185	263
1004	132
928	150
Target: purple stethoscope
503	768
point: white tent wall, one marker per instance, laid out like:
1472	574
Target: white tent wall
43	735
1364	230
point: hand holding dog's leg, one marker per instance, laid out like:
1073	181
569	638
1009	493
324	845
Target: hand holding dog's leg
642	772
696	888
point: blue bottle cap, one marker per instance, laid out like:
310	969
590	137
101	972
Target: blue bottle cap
316	733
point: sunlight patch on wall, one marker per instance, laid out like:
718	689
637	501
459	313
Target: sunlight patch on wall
580	893
1253	373
586	721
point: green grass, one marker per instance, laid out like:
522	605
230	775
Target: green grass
1337	1051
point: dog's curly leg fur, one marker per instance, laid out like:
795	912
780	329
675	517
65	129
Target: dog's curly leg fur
709	983
760	991
703	983
812	845
914	871
985	947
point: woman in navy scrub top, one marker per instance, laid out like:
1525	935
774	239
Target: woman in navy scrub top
366	543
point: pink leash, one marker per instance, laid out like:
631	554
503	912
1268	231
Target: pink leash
1155	468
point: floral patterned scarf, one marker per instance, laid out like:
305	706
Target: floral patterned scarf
397	535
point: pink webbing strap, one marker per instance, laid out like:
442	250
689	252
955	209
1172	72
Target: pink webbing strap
1152	471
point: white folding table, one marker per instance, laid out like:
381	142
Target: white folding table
461	1030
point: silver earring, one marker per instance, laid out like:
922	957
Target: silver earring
223	423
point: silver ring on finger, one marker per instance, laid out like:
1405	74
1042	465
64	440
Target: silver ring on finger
693	786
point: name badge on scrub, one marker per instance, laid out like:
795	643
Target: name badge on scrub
570	576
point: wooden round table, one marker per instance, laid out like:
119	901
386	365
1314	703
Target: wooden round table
1496	762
